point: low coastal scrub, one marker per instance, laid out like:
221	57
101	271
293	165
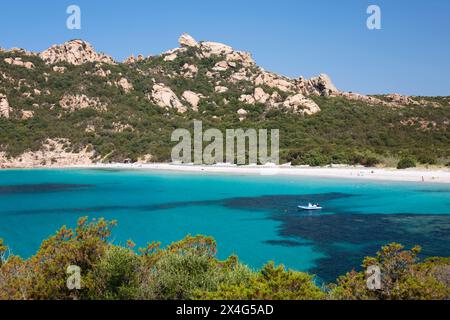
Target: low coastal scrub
406	163
189	269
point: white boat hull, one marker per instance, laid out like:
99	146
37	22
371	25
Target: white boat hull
310	208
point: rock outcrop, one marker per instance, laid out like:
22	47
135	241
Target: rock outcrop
80	101
401	99
275	81
189	71
297	103
242	113
220	89
260	96
20	51
300	104
59	69
209	48
164	97
27	114
119	127
171	57
319	86
125	85
18	62
5	109
221	66
192	98
76	52
131	59
187	41
53	153
247	99
230	55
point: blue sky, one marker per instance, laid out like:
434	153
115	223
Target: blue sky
410	55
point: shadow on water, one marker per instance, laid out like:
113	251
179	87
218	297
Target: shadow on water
41	188
284	203
346	238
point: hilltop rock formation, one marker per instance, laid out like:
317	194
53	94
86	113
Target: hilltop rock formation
75	52
209	49
5	109
187	41
319	86
131	59
231	68
400	99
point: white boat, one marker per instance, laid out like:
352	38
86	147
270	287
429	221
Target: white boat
311	207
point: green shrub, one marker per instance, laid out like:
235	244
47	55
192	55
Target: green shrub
271	283
368	161
427	158
371	162
116	275
406	163
403	278
177	276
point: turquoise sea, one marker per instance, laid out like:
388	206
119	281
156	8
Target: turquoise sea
254	217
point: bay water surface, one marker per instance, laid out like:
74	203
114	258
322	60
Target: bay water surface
255	217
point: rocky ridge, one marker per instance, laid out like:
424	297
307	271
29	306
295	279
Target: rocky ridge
198	79
238	64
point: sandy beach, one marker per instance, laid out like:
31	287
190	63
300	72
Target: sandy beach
343	172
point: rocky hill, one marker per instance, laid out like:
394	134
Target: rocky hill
70	104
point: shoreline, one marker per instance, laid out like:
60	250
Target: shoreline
436	176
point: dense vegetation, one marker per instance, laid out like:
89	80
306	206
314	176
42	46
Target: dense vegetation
189	269
347	132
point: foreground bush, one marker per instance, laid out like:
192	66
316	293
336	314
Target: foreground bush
403	278
189	269
271	283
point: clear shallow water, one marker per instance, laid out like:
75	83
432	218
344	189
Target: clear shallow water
252	216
